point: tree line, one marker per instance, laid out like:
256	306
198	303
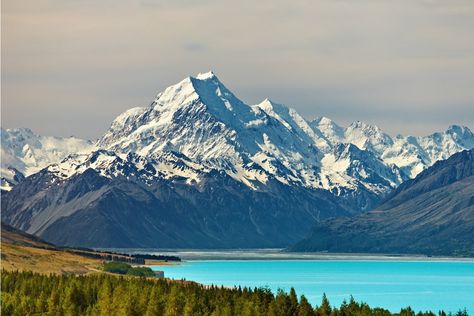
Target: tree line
107	256
137	258
28	293
123	268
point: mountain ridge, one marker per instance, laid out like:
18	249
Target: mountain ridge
270	135
431	214
23	153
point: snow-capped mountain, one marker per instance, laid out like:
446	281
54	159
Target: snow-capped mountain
199	121
358	175
104	200
198	166
411	154
202	120
24	153
415	154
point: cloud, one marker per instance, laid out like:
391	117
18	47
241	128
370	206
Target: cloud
69	67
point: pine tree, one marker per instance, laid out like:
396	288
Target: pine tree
407	312
72	300
174	303
104	300
41	303
126	307
304	308
53	303
153	307
462	313
191	307
7	303
325	308
293	301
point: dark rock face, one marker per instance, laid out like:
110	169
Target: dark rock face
432	214
89	210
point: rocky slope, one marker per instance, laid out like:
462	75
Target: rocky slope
114	204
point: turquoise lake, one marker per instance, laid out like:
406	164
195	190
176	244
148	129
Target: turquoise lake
423	285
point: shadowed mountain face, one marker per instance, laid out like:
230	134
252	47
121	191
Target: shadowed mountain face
432	214
93	211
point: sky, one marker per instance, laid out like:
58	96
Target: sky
69	67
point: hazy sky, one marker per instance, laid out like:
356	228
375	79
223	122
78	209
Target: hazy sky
69	67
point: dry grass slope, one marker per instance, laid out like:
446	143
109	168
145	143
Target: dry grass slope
23	252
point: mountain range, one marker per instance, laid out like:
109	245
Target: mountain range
24	153
198	167
432	214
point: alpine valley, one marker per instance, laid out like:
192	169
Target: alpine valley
199	168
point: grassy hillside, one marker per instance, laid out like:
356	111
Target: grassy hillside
24	252
46	261
13	236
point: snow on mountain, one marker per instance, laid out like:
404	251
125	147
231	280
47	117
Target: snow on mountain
10	177
364	136
201	119
358	175
198	125
331	131
411	154
415	154
165	165
295	122
351	166
368	137
24	152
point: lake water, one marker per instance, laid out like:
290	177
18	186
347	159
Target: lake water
391	284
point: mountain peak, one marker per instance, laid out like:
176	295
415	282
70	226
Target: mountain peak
323	120
459	130
205	87
267	105
368	136
206	75
327	127
25	131
362	125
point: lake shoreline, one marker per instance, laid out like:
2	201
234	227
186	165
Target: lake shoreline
280	254
391	284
